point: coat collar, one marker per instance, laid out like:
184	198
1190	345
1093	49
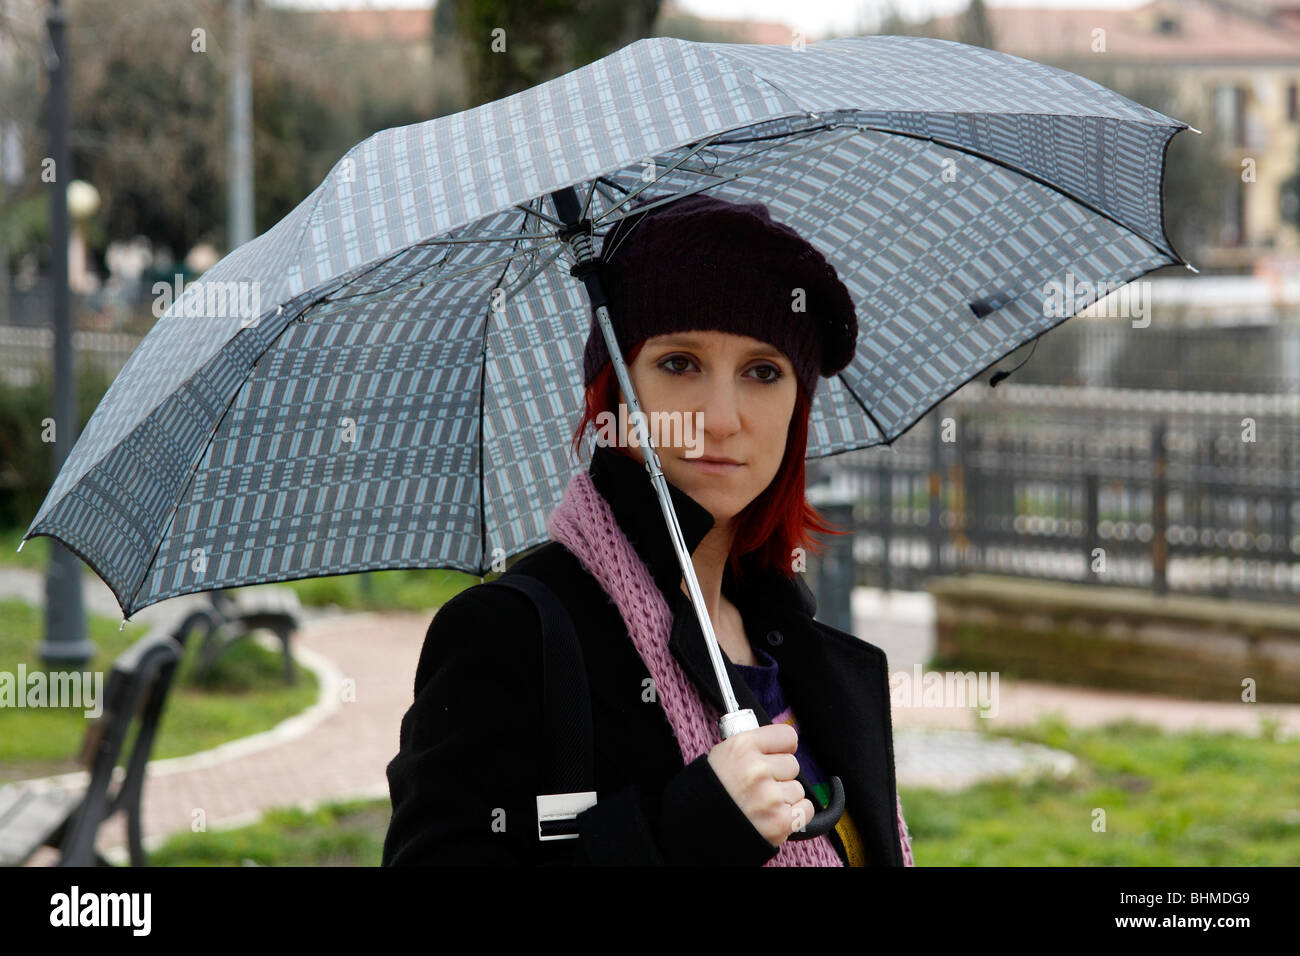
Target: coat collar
768	600
625	484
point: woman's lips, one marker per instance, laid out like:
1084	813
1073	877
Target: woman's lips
713	467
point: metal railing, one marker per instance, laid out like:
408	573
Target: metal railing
1178	492
23	351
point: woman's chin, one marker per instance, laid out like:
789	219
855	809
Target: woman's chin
721	505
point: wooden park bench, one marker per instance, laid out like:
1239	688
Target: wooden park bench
134	694
242	612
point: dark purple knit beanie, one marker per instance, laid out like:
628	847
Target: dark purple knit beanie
704	263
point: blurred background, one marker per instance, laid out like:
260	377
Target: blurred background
1108	542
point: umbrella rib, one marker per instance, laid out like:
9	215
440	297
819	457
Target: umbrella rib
609	253
442	278
719	177
804	131
863	405
1178	260
539	214
207	443
534	271
482	506
482	381
586	204
509	237
396	285
740	64
605	192
740	157
515	237
640	189
726	177
609	182
391	285
749	155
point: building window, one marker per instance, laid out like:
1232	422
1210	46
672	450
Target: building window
1230	114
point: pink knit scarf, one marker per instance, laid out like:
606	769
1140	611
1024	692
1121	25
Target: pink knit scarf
584	523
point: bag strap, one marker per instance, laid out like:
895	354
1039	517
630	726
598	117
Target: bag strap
567	777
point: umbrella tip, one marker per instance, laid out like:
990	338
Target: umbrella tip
21	543
1192	267
1195	130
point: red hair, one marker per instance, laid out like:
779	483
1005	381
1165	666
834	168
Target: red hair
771	526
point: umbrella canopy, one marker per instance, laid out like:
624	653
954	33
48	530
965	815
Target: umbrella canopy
390	376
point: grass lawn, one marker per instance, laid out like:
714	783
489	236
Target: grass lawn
1169	800
401	590
244	693
339	834
1192	799
35	555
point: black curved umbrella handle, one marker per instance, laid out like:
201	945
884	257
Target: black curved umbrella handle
823	820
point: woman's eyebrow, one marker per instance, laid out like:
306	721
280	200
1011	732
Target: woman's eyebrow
687	341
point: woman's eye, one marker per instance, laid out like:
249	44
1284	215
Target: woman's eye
767	373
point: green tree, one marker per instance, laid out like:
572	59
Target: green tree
26	467
148	92
507	47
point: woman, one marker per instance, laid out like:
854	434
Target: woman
726	319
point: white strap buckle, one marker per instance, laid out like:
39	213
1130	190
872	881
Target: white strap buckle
557	814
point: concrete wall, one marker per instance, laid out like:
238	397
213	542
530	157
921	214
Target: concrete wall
1118	638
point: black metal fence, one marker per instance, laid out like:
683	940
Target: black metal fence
1240	355
1178	492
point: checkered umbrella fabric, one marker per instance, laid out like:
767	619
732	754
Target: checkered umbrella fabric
390	376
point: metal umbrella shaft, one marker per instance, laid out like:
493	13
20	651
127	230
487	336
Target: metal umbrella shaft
735	719
577	234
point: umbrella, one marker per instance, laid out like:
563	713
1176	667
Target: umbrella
384	378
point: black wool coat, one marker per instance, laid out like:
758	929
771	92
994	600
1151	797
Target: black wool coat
464	781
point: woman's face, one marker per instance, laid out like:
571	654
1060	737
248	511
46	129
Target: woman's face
740	392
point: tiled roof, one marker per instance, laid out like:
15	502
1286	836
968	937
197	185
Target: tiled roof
406	26
1194	31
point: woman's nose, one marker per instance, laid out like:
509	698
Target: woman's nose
721	410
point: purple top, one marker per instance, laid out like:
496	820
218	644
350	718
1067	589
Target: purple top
762	680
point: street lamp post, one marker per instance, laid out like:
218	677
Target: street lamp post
65	643
83	203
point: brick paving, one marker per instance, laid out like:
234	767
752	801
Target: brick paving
1022	702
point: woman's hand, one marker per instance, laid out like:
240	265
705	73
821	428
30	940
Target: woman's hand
758	768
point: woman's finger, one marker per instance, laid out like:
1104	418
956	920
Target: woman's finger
801	815
783	766
792	791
